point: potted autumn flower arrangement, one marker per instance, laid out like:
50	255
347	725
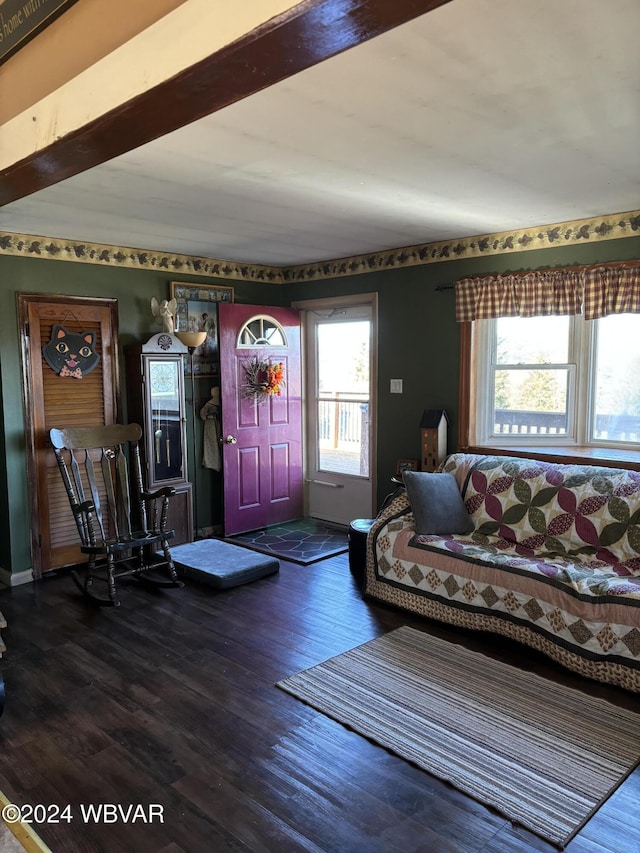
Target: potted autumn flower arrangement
264	379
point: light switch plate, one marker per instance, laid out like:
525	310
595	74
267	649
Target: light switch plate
395	386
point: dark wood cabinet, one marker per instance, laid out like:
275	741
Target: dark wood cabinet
155	400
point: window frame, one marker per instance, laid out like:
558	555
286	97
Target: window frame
477	371
487	364
262	340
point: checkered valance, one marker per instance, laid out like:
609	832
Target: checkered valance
611	290
596	291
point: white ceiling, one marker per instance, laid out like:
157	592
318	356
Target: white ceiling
482	116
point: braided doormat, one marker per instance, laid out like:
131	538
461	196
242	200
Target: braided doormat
543	755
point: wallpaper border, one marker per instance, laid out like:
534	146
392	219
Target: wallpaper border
54	248
574	232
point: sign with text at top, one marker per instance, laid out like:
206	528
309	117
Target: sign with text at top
21	20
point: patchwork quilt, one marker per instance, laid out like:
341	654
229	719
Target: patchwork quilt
553	561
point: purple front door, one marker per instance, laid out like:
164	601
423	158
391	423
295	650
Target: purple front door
261	434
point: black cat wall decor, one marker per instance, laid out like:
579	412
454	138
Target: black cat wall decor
71	353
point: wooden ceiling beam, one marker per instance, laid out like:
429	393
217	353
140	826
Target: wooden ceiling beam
303	36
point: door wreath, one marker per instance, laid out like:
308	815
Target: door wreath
263	379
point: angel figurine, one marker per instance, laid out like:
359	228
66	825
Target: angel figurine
164	312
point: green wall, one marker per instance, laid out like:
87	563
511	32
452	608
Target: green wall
418	338
133	289
418	342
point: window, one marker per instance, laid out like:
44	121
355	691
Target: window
556	380
342	394
261	331
616	379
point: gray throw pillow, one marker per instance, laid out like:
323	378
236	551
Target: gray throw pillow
436	503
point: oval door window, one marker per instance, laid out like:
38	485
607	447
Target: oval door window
261	331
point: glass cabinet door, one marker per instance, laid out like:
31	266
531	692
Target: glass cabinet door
165	441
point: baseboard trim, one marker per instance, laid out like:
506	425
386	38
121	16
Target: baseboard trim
15	578
208	532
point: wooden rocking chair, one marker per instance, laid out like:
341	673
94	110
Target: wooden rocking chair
122	527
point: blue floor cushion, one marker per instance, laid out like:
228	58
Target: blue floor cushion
221	564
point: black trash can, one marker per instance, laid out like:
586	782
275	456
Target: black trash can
358	530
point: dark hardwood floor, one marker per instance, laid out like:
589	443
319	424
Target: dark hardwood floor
170	700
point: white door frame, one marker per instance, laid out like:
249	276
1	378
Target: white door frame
329	304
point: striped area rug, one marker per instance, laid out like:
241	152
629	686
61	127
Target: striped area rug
543	755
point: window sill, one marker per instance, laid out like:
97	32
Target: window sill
607	457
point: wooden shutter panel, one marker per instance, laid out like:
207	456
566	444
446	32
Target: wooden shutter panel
52	400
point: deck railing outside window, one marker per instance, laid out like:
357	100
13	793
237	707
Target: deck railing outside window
607	427
343	429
